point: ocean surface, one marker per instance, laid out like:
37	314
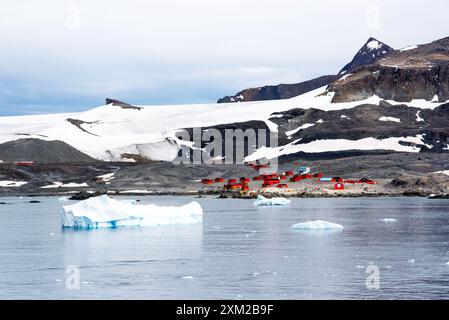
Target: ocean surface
239	252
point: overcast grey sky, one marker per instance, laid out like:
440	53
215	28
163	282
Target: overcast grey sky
60	55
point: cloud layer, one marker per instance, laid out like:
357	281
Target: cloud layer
64	55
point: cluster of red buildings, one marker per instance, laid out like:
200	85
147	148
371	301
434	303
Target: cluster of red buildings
276	180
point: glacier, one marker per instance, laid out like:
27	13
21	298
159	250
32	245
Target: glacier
317	225
150	132
262	201
105	212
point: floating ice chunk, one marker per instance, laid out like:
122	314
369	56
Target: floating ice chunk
262	201
411	260
105	212
188	277
389	220
317	225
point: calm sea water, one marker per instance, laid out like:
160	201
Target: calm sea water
239	252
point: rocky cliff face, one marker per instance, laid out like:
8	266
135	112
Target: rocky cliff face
420	72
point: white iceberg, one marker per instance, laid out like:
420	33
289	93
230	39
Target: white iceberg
317	225
262	201
389	220
105	212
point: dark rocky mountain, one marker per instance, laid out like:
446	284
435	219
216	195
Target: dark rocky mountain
281	91
420	72
30	149
378	121
121	104
371	51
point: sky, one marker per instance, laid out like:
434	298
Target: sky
64	56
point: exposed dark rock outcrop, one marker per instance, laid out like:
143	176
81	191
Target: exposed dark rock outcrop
281	91
82	195
420	72
121	104
78	123
41	151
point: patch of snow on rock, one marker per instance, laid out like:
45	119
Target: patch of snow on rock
408	48
12	184
393	119
418	117
374	45
65	185
304	126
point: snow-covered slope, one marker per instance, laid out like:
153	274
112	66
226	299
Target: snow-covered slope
108	132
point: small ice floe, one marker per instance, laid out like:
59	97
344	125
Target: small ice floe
262	201
188	277
317	225
447	263
360	267
105	212
51	233
87	282
389	220
63	199
58	280
411	260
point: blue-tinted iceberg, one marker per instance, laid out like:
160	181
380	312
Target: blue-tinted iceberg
317	225
105	212
262	201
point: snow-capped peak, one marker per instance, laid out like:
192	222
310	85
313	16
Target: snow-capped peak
370	52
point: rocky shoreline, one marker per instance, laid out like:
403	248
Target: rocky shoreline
81	195
395	175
